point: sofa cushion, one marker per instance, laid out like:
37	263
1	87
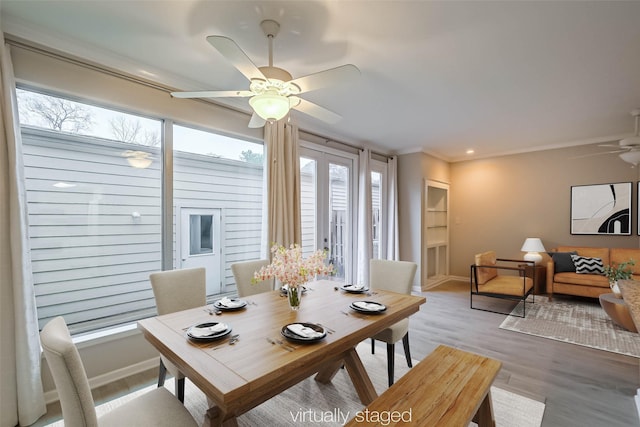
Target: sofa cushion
588	265
594	280
562	262
486	274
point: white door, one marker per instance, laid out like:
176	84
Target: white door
200	244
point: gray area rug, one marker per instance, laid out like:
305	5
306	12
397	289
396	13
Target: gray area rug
313	404
574	321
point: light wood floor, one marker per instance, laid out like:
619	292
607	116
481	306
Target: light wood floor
580	386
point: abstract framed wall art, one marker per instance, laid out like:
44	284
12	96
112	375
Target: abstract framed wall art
601	209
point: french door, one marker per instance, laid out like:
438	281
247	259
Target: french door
327	195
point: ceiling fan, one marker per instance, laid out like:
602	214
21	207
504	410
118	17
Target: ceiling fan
628	148
273	91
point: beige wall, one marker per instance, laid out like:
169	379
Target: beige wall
496	203
413	170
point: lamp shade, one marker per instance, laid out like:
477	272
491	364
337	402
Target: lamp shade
270	106
532	246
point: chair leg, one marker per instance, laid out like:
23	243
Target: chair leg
162	373
390	362
407	352
373	346
180	389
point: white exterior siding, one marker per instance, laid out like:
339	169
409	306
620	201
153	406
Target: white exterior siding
91	257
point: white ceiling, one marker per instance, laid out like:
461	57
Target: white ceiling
441	77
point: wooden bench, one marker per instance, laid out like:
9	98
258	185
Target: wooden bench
449	387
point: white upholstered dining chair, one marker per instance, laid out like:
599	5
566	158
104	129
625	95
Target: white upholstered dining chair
243	273
176	290
394	276
156	408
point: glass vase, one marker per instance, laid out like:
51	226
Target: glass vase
294	295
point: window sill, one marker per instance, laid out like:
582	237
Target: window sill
117	332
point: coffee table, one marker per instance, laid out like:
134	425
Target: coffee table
618	311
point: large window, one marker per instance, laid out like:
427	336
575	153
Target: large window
217	194
378	208
94	194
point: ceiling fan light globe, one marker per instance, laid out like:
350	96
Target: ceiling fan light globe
270	106
632	157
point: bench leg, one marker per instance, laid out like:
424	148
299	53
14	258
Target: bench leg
373	346
484	416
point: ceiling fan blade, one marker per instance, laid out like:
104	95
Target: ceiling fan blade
213	94
230	50
256	121
600	154
333	76
314	110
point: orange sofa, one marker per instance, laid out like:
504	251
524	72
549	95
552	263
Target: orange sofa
588	285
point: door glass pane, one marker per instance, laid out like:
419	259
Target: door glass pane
376	197
338	217
200	234
308	193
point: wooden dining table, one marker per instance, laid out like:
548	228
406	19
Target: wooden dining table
262	363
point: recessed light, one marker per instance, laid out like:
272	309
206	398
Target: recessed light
470	151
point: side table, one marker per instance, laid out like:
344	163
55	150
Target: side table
540	282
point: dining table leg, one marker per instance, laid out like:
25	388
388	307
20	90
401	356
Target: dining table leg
326	374
359	377
216	417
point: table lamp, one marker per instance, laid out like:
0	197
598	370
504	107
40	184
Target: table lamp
533	246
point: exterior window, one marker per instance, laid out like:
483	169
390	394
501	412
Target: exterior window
376	197
92	177
379	208
94	193
217	197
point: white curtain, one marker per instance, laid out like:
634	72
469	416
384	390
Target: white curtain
365	238
283	183
393	246
23	336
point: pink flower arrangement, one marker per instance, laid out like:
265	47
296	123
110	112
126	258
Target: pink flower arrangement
290	268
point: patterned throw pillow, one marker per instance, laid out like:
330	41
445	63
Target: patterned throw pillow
586	265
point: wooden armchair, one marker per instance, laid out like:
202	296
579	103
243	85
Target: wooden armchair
512	279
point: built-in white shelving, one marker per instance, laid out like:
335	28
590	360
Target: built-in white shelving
436	233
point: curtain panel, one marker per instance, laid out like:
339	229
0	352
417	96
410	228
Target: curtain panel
393	245
283	184
23	392
365	234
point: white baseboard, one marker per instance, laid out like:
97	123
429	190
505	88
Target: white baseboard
109	377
